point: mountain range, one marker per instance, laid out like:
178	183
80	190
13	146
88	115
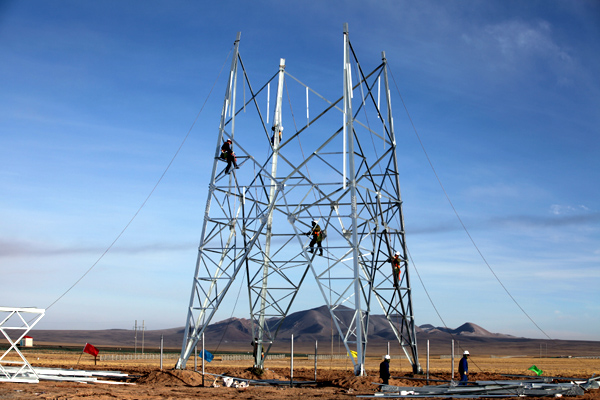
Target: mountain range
235	334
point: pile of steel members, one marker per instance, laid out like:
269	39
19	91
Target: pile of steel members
536	387
67	375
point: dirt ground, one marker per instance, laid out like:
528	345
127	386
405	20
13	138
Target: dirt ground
335	380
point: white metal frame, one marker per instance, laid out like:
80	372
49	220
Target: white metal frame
21	321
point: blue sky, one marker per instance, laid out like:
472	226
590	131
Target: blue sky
96	98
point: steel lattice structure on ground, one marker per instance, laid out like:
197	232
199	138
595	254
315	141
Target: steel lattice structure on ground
15	323
340	169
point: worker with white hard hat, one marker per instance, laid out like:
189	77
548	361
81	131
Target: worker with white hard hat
396	260
463	368
384	369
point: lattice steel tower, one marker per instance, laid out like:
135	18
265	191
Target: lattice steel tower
338	167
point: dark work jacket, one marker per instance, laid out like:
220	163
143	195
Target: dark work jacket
384	369
226	148
463	366
316	233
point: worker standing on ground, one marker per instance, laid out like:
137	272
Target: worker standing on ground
395	260
254	344
317	237
228	154
384	370
463	368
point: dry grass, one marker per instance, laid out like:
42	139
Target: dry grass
336	380
512	365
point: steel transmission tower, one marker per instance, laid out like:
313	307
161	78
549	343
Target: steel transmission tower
338	167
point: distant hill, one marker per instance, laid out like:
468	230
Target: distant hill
312	325
316	324
466	329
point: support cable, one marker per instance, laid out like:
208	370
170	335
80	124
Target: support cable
459	218
440	316
149	194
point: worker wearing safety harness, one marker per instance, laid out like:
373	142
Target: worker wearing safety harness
395	260
317	237
280	130
228	155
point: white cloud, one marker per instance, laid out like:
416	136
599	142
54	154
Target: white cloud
517	45
516	37
24	249
558	209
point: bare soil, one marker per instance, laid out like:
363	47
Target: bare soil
335	379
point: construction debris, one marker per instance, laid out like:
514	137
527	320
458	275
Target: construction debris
231	381
496	388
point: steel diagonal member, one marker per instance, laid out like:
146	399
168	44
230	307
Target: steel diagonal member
202	319
359	187
25	373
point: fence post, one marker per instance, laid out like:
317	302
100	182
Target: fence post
292	361
315	360
161	350
452	360
427	361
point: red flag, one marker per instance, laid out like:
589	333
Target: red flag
90	349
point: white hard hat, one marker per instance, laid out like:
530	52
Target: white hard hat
314	220
386	357
397	253
466	353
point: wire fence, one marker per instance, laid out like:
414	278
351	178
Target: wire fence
156	356
327	356
136	356
222	357
239	357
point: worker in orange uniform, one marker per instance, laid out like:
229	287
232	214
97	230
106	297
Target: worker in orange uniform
395	260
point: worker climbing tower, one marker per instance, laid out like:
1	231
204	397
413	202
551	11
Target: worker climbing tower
335	163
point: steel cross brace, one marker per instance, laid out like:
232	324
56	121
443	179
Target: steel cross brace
13	320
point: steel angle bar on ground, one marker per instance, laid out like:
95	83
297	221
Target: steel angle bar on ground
563	378
69	375
496	388
441	396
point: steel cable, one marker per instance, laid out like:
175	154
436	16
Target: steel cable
149	194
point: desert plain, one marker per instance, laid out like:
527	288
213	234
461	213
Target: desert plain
335	379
